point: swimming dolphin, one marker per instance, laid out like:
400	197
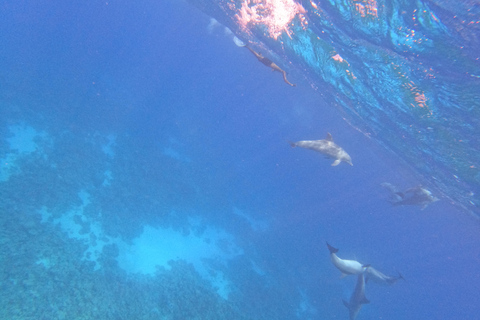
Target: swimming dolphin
347	267
378	277
326	147
358	297
416	196
264	60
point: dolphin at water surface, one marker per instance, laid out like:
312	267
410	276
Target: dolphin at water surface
326	147
416	196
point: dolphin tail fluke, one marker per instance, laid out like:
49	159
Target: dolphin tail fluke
393	280
332	249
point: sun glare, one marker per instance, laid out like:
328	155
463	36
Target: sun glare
275	15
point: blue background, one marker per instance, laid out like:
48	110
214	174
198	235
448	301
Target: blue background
152	74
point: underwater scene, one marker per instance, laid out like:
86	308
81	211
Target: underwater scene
240	159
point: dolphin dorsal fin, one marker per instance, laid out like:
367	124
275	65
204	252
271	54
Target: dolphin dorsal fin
329	137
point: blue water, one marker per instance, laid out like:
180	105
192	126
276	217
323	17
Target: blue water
146	171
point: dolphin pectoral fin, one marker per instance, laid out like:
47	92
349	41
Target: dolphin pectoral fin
346	304
329	137
343	275
336	163
292	144
400	195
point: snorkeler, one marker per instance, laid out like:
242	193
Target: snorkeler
264	60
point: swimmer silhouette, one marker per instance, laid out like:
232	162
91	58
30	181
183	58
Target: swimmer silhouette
264	60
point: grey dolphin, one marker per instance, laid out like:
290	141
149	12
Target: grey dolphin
326	147
376	276
347	267
358	297
416	196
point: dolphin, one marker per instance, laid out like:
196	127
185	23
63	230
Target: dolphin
347	267
416	196
326	147
264	60
357	298
376	276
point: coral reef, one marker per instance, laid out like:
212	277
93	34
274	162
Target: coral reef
46	273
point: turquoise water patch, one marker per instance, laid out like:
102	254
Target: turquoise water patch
208	249
23	138
77	226
7	166
305	307
107	178
175	150
108	147
155	247
22	141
